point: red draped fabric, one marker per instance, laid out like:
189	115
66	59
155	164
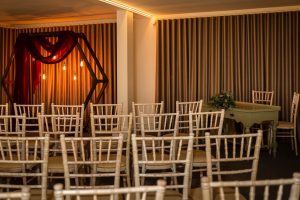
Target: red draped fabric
33	45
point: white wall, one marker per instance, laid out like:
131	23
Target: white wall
144	60
125	62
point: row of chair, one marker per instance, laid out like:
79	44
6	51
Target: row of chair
261	97
83	156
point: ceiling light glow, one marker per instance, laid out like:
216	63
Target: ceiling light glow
127	7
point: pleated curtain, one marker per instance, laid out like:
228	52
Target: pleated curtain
200	57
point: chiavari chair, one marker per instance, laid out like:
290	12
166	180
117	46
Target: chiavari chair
129	193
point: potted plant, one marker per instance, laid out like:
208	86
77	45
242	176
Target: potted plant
223	100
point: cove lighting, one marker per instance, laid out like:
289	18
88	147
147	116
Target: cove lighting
127	7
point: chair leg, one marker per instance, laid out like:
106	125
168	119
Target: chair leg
295	142
292	139
270	138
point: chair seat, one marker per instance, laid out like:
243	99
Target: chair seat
285	125
196	194
11	167
15	167
110	167
55	164
199	157
156	166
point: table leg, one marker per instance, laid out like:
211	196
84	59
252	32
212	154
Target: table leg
247	129
274	141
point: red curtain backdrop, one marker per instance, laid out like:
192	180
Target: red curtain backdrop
29	44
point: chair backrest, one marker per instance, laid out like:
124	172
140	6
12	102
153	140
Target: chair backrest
159	124
31	112
106	109
270	189
24	194
294	108
83	156
145	108
184	108
56	125
70	110
129	193
109	124
203	122
4	109
163	151
262	97
112	125
25	158
12	125
232	151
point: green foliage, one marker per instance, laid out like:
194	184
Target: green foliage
222	100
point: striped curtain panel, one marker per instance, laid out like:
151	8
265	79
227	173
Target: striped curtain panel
200	57
59	85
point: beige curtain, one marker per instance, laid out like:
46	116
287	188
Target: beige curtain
197	58
59	86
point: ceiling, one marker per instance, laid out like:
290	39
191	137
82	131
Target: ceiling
42	11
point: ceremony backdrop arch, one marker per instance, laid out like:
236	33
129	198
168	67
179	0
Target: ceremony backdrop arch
59	86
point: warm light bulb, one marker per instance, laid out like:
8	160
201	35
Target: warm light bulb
81	63
64	67
54	57
44	76
74	77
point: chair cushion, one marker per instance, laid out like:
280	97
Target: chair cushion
15	167
156	166
199	157
285	125
55	165
110	167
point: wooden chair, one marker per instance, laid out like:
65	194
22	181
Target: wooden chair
22	195
159	124
54	126
70	110
288	128
183	109
26	162
129	193
112	125
271	189
161	158
262	97
84	156
106	109
199	124
11	125
145	108
31	112
233	156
